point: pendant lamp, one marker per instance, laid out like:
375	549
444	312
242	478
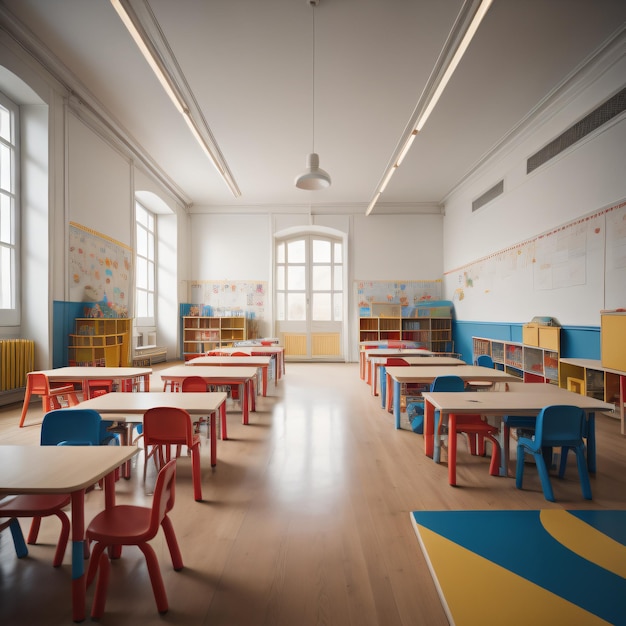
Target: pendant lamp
313	178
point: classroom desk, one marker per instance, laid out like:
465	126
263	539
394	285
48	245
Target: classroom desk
261	362
379	363
366	346
398	375
64	469
136	404
140	377
446	405
390	352
244	377
278	352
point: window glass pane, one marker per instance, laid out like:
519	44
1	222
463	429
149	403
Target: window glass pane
280	277
141	215
338	278
321	251
280	307
337	307
321	307
141	273
338	252
5	124
142	309
5	167
321	278
295	277
150	304
296	307
6	273
150	252
150	275
6	226
296	251
142	242
280	253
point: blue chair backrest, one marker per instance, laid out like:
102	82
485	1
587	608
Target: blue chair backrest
560	425
448	383
484	360
77	427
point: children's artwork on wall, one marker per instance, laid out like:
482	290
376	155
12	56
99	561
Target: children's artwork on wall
549	272
100	270
406	293
231	297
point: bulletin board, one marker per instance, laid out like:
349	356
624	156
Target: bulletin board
100	269
228	296
404	293
570	272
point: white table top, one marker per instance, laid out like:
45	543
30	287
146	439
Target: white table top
231	360
58	469
80	372
510	402
466	372
196	403
421	361
179	372
397	352
250	349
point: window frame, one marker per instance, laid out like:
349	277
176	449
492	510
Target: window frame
149	320
11	316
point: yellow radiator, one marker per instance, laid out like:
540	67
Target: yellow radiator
295	345
325	344
17	358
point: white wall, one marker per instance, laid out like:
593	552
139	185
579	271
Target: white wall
239	247
490	275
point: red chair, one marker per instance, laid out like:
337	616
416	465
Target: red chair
97	388
38	506
129	525
476	429
52	397
198	384
164	427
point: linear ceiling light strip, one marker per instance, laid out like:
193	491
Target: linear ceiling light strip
199	130
452	54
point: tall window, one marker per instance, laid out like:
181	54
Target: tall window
145	266
9	231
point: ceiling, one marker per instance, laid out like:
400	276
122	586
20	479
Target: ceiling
249	65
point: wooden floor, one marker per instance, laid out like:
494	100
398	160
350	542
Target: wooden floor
305	519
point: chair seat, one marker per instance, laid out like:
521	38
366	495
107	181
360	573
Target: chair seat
121	525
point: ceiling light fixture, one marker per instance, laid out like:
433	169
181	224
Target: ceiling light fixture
458	41
313	178
186	106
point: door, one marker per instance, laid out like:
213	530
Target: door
309	279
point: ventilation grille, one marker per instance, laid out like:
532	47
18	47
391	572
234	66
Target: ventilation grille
488	196
604	113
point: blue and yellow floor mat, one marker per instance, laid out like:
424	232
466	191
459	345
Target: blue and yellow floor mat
527	567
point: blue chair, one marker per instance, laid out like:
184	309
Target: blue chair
556	425
76	427
16	532
484	360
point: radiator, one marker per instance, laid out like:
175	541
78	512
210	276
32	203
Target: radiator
325	344
295	345
17	358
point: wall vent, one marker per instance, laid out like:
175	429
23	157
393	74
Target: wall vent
488	196
604	113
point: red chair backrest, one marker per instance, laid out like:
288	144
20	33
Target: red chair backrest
39	383
240	354
194	383
395	361
164	496
163	425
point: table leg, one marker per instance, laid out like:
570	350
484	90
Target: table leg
253	392
223	418
591	443
382	372
396	402
244	403
212	435
436	437
451	449
429	419
264	380
375	379
78	566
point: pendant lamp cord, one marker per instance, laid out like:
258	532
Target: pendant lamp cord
313	75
